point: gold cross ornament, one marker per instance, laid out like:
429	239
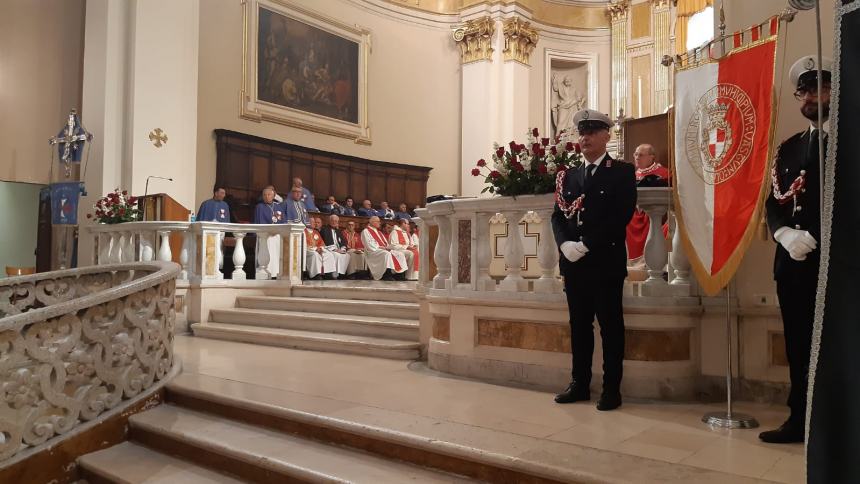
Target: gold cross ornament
158	137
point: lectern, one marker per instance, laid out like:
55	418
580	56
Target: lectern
162	206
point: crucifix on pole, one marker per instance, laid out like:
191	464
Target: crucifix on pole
71	141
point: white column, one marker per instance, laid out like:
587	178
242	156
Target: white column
185	254
678	258
164	253
210	246
115	248
263	257
423	221
656	254
442	253
128	249
104	248
481	242
147	246
479	115
547	256
239	256
514	252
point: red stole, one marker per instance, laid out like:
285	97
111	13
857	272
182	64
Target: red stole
403	239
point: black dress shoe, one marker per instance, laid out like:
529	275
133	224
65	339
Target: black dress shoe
786	434
609	401
575	392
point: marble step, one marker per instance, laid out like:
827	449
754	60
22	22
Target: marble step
358	290
378	327
382	308
258	453
131	463
310	340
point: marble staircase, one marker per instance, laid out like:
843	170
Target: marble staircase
200	437
356	317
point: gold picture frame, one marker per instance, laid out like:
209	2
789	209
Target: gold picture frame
305	70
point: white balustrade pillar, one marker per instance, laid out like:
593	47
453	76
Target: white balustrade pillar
262	256
104	242
513	281
423	244
442	253
147	246
655	203
185	254
482	252
164	253
239	256
678	258
547	256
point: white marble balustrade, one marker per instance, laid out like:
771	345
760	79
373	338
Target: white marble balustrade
464	247
202	254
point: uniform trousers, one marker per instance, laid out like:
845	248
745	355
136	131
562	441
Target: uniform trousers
585	300
797	304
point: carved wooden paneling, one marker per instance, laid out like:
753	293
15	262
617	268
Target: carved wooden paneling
248	163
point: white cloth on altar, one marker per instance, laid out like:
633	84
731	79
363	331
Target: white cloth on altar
377	258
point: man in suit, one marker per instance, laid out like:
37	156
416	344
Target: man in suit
385	211
594	203
794	219
331	206
366	209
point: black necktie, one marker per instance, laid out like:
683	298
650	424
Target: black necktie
589	172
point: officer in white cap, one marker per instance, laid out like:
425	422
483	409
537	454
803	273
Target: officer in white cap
594	203
794	219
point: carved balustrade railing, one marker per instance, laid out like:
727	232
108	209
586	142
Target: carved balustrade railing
202	252
78	343
466	245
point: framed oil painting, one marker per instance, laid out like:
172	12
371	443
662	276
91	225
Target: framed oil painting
305	70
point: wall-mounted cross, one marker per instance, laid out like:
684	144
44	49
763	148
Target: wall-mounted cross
158	137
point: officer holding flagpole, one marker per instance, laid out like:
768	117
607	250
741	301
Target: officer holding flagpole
794	219
594	203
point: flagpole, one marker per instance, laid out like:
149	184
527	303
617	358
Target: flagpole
729	419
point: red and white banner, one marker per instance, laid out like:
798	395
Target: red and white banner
723	139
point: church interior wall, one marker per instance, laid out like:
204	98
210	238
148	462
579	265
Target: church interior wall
41	51
413	92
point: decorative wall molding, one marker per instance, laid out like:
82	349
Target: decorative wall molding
475	40
520	39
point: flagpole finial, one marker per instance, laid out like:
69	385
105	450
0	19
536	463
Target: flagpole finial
788	14
722	22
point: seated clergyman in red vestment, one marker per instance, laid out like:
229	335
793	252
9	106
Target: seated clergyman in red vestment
649	173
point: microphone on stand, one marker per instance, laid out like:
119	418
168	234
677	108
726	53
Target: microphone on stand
146	191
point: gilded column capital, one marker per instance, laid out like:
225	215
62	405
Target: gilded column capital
520	39
475	40
661	3
617	9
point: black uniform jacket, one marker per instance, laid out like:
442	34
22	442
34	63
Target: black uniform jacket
608	206
327	237
795	154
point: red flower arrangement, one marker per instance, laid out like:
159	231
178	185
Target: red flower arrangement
115	207
532	169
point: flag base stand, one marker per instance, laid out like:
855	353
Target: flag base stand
726	420
729	419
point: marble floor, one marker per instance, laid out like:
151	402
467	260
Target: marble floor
409	397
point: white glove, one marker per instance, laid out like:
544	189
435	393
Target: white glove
798	243
573	251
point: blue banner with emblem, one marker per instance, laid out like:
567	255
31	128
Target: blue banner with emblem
64	202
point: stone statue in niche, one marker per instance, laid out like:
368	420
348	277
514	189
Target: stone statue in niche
566	101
